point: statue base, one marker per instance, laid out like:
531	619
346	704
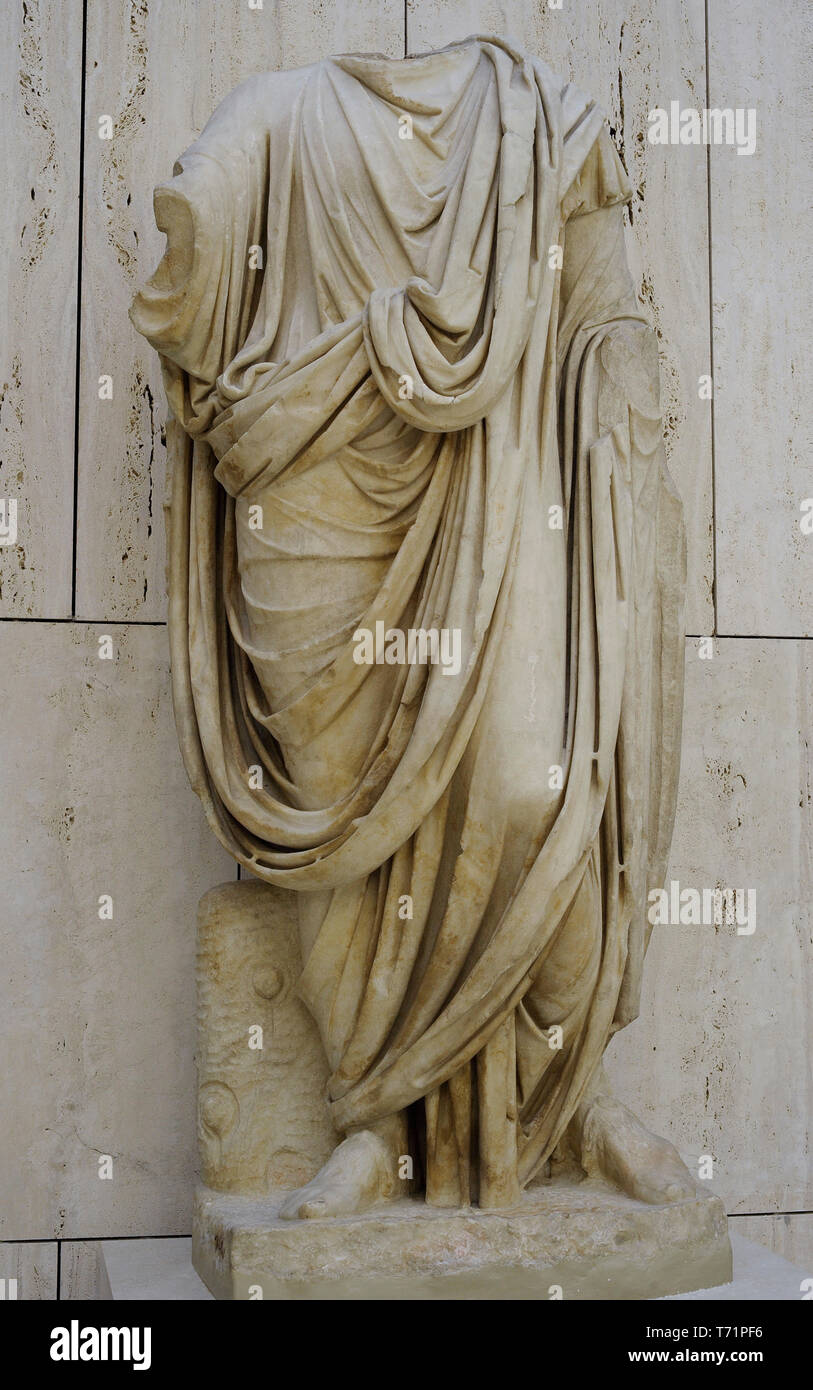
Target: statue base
565	1239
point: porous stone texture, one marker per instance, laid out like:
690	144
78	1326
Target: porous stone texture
83	1272
565	1240
734	1013
40	136
758	205
262	1111
28	1270
97	1010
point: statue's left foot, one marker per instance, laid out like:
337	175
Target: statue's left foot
616	1146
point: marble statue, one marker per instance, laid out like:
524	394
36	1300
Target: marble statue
426	571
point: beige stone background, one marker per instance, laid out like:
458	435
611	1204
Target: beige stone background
97	1015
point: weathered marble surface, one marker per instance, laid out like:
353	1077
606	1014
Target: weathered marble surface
564	1240
371	430
262	1109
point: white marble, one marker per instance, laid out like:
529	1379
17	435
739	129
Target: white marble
422	261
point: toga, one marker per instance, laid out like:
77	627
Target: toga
413	390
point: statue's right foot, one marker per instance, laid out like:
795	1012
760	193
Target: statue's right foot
359	1174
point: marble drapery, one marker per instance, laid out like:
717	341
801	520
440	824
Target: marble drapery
414	388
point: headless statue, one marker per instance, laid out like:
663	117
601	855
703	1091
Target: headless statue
426	570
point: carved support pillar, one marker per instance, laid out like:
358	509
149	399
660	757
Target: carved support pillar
263	1121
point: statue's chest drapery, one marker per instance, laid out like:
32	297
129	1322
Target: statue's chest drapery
378	176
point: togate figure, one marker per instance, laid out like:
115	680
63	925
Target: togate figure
426	572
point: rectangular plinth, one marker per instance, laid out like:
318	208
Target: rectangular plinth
575	1241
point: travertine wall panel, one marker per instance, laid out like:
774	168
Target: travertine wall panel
99	1011
789	1235
760	58
28	1270
82	1272
40	84
719	1059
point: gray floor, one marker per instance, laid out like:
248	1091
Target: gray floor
759	1275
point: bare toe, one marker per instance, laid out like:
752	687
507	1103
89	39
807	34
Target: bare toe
356	1176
